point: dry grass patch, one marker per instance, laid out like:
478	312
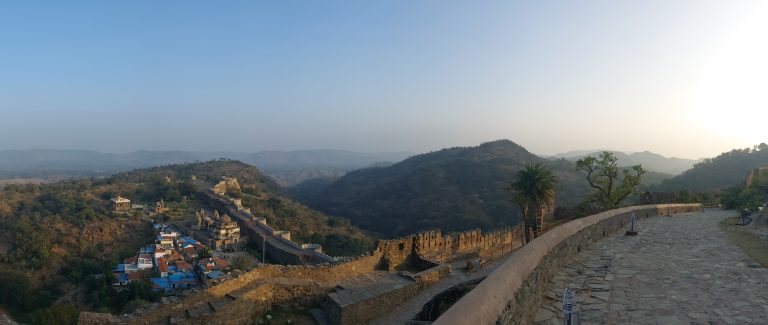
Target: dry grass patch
749	242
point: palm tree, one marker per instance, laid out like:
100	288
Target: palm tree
533	190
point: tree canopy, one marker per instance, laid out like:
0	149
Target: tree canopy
603	175
533	189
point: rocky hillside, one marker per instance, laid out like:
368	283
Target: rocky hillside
725	170
451	189
259	192
55	236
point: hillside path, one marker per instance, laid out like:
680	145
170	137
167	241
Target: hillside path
679	270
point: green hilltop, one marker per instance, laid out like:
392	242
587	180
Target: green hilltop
452	189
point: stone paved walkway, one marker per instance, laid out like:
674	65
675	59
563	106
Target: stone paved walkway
678	270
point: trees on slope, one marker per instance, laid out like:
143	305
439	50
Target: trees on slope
533	189
603	175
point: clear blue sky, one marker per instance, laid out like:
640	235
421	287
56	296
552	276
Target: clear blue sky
681	78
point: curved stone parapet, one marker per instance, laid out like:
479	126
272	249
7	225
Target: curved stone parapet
512	293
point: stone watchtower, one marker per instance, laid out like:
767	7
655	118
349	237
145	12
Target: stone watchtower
226	184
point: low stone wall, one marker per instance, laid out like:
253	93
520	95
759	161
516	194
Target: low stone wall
379	298
319	273
512	293
243	299
89	318
366	310
433	274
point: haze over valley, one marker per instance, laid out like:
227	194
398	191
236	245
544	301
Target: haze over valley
383	162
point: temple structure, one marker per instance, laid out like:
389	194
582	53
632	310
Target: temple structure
218	232
160	207
120	204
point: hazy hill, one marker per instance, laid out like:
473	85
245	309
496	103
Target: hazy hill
339	159
650	161
24	160
289	168
725	170
85	160
577	153
450	189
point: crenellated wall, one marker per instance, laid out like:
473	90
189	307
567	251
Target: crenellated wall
418	258
435	246
512	293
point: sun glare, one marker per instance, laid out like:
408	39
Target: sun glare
732	97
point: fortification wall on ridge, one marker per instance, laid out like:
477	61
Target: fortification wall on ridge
440	247
279	248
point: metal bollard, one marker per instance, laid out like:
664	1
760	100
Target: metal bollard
570	310
631	231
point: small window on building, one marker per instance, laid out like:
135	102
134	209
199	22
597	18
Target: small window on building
402	246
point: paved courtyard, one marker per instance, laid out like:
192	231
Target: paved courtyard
678	270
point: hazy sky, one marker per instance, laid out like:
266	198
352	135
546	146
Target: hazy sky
681	78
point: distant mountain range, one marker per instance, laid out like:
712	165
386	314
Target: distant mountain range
650	161
331	159
290	168
451	189
287	168
45	159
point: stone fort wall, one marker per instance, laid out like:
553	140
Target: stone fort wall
388	255
512	293
243	299
319	273
279	247
433	246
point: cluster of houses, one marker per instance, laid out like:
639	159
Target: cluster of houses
172	263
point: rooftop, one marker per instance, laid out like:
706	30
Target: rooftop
213	263
214	275
182	265
162	265
120	199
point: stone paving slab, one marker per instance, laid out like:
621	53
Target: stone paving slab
678	270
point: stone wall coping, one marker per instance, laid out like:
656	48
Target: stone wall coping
489	299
